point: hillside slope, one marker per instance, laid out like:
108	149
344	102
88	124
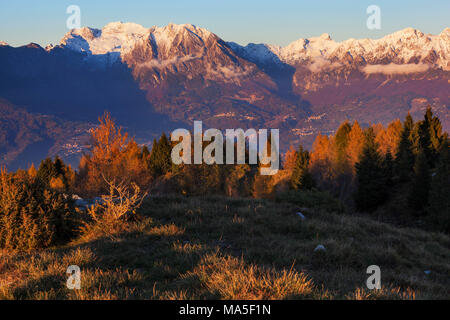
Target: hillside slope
203	248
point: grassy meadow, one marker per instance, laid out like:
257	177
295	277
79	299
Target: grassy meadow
234	248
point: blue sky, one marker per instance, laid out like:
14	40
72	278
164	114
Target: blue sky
261	21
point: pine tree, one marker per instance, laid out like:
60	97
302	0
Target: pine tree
301	177
439	209
436	138
424	136
388	166
160	161
371	177
145	153
418	194
404	159
46	170
166	150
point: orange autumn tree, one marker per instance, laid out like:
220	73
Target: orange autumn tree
321	161
290	158
389	138
355	143
333	158
113	157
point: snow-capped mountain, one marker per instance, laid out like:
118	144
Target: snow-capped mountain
408	46
170	48
166	77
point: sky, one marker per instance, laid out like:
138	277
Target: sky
276	22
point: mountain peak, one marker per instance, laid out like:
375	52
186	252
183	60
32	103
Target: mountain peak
325	36
173	29
122	37
445	32
33	45
124	28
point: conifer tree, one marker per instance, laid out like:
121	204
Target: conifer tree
355	143
418	194
301	177
388	166
46	170
32	172
439	208
160	159
145	153
290	159
370	176
404	159
341	142
112	157
436	138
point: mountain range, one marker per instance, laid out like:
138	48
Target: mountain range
161	78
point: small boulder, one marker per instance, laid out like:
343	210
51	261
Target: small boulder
301	215
320	247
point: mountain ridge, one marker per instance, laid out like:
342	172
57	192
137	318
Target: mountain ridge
295	52
162	78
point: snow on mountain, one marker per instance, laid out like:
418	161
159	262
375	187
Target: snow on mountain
262	53
114	37
407	46
175	44
119	39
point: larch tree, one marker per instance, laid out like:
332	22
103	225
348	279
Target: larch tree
355	143
113	157
290	159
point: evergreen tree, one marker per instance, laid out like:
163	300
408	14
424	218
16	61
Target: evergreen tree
160	161
145	153
301	177
430	138
436	138
46	170
418	195
404	160
370	176
388	166
145	156
59	166
439	209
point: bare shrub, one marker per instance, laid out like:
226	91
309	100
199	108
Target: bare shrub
112	212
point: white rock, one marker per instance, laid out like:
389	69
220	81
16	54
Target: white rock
301	215
320	247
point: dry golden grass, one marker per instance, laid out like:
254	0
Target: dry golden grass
219	248
233	279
